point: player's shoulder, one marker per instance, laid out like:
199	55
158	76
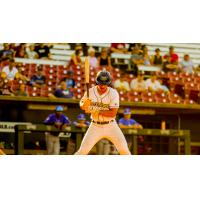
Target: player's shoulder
121	119
63	115
132	121
51	115
113	91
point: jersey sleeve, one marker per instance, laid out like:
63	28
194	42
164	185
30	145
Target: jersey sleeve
48	120
114	99
133	122
66	120
121	121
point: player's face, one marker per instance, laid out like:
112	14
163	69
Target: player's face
58	113
127	116
102	88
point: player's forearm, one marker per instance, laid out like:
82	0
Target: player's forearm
108	113
123	126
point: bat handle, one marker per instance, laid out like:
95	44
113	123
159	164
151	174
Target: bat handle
87	90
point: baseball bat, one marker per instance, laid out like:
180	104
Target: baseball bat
87	75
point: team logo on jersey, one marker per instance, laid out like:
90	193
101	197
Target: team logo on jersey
99	106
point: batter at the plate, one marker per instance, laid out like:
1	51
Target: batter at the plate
102	104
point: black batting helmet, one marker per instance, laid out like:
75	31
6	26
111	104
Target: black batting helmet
103	78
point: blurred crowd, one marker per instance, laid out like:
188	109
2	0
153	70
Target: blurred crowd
14	79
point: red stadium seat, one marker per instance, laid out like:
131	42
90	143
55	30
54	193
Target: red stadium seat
188	101
147	97
174	98
161	97
192	91
33	91
133	96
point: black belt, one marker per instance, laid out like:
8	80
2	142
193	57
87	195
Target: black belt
102	123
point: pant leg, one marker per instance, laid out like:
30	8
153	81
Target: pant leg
56	146
116	136
49	143
103	147
106	148
92	136
99	148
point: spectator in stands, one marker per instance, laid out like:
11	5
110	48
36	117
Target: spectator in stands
76	57
135	60
126	122
20	74
21	51
122	84
118	48
134	45
6	52
197	69
60	121
152	84
62	91
2	81
30	51
167	66
145	56
70	82
157	59
10	70
92	58
186	65
104	59
173	56
7	88
138	84
12	46
163	88
142	49
43	51
21	91
38	80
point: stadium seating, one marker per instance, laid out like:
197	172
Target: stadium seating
181	85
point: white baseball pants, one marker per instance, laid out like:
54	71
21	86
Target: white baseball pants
53	144
109	131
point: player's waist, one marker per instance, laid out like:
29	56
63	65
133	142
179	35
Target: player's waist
103	122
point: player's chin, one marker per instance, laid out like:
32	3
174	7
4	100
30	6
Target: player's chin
102	87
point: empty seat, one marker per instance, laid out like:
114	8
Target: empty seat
147	97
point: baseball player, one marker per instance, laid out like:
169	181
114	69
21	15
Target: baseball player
60	121
102	104
128	122
81	121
